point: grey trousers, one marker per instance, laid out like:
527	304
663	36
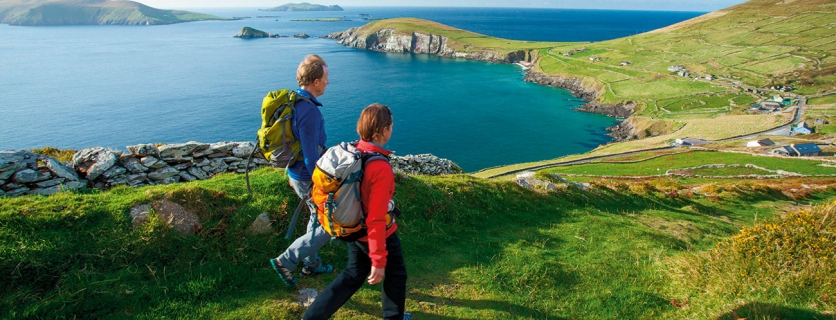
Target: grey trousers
305	247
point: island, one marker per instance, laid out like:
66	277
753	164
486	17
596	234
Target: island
304	6
91	12
251	33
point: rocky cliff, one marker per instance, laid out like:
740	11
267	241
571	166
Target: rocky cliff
389	40
620	132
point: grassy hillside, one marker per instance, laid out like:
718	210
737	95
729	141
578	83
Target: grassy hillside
87	12
458	39
475	248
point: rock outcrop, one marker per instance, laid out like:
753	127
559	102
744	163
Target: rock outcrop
23	172
425	164
250	33
389	40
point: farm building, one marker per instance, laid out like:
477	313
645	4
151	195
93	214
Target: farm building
802	150
770	104
760	143
820	121
801	128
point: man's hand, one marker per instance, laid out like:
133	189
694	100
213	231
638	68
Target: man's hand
376	275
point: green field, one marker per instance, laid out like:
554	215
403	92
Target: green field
692	159
828	99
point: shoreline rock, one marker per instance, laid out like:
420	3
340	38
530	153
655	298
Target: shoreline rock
388	40
622	131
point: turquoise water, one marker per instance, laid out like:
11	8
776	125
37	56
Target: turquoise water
113	86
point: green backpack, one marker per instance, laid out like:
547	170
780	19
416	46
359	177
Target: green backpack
275	139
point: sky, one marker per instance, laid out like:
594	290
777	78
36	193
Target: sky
660	5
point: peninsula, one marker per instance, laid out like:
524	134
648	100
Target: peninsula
304	6
697	78
91	12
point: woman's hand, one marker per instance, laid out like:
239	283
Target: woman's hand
376	275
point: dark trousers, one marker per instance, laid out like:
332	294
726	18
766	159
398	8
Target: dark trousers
352	278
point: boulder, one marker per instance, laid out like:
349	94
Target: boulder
17	192
181	149
50	183
183	166
11	186
133	165
137	179
142	150
185	176
178	160
93	162
198	173
29	176
139	214
301	35
243	149
59	169
11	162
113	172
261	225
152	162
219	149
169	180
45	191
178	217
306	297
163	173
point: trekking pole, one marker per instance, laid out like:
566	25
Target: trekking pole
293	219
247	170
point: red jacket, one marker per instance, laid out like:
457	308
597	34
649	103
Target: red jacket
376	190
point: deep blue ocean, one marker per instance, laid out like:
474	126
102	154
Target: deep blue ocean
114	86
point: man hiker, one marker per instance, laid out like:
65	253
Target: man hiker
309	127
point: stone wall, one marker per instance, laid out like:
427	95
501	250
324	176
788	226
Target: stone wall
24	173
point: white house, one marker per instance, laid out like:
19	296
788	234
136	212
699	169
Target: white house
801	128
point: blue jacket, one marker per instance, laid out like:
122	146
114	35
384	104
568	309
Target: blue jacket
309	127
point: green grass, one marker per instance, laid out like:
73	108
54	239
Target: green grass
659	165
828	99
475	248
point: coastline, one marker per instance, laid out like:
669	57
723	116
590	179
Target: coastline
389	40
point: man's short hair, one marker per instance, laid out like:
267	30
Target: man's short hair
310	69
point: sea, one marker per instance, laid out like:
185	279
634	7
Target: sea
74	87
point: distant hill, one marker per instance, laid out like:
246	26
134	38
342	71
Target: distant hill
304	6
91	12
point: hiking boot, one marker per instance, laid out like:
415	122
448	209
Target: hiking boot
285	274
310	272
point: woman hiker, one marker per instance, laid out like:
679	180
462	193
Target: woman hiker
377	256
